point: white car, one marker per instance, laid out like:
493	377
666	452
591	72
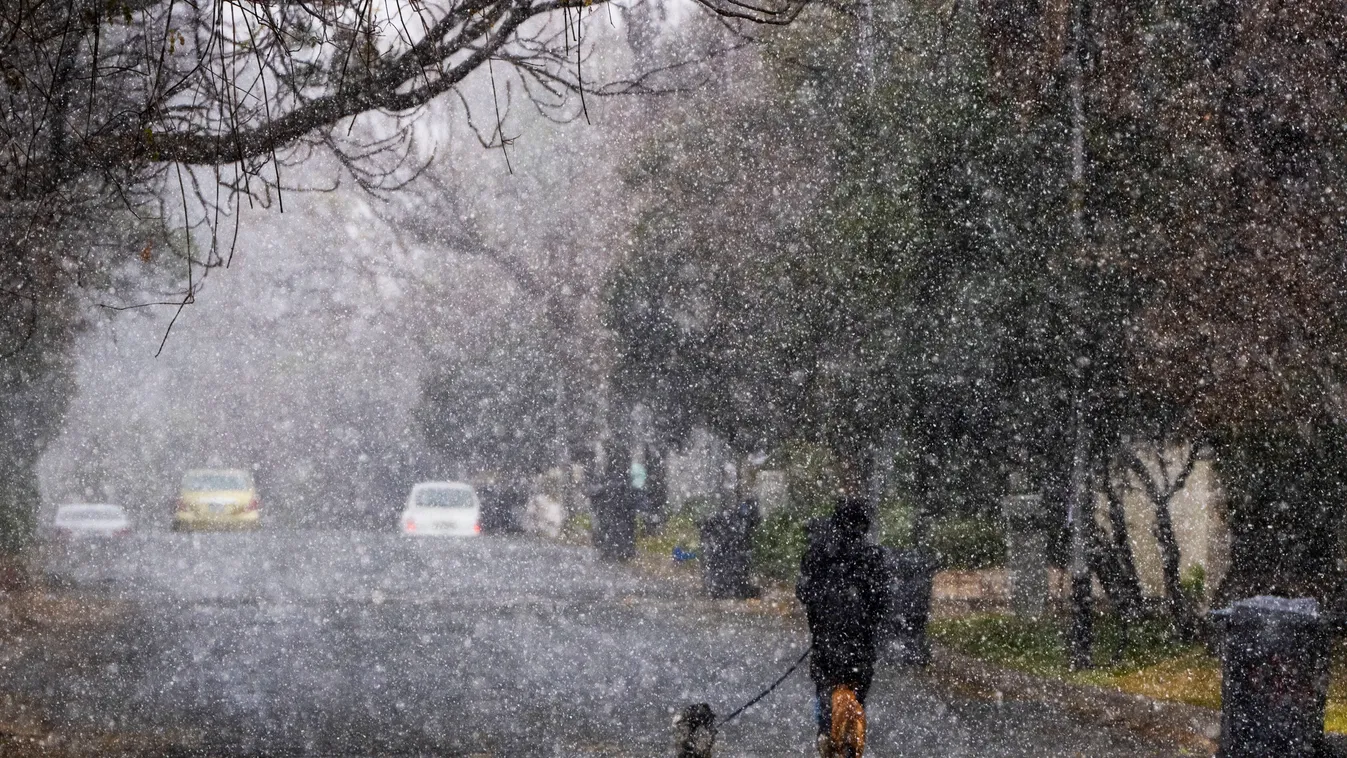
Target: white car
82	521
442	508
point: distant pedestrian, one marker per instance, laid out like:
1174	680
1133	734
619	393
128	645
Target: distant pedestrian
843	586
488	494
614	510
727	546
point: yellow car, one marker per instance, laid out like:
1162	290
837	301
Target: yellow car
217	499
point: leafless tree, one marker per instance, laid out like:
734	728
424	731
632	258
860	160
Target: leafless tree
132	132
1160	468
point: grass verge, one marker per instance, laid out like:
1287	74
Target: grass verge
1148	663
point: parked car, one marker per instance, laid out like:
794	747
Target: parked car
79	541
442	509
89	521
217	499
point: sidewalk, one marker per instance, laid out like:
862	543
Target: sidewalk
1189	729
35	619
1186	727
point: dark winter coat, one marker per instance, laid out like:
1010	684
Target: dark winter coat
843	586
614	530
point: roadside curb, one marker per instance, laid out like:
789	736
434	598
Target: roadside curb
1190	728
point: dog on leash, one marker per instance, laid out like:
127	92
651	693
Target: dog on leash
695	732
846	739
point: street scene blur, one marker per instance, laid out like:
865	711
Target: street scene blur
685	378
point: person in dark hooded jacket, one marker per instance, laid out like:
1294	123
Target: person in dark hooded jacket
843	586
614	529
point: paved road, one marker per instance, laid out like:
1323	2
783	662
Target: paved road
346	643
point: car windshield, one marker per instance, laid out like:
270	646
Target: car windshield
443	497
90	513
201	481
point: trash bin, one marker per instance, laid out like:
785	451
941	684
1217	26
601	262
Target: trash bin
727	545
1274	677
903	636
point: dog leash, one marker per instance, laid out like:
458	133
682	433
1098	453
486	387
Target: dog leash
768	691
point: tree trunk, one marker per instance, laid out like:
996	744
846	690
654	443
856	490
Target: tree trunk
18	503
923	502
35	387
1178	605
1129	583
745	478
856	468
657	483
1104	562
1160	487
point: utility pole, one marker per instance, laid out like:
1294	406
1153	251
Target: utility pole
1077	95
866	44
562	450
1080	514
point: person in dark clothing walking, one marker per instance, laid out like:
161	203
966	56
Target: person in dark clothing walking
614	529
727	544
843	587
